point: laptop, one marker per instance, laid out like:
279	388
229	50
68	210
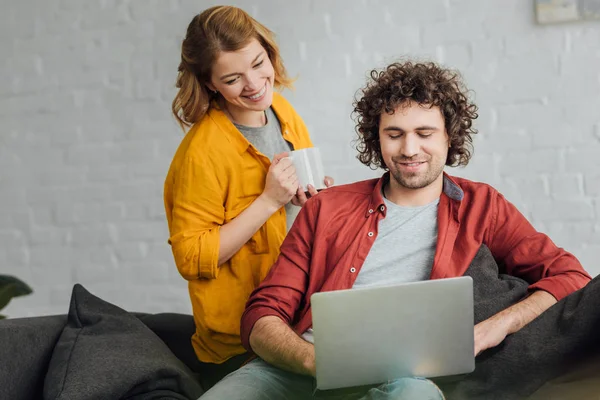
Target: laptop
372	335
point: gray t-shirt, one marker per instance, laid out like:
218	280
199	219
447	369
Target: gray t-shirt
269	141
403	250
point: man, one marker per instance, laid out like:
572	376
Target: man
414	223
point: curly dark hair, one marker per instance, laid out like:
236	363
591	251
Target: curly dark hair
424	83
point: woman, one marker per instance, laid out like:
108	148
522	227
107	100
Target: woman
226	201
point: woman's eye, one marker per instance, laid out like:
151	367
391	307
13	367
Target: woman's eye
258	64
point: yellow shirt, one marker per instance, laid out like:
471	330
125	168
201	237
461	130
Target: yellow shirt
215	175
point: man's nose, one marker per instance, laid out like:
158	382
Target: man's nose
410	146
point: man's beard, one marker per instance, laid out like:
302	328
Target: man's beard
417	180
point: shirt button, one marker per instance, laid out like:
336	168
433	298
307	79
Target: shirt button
353	270
382	208
370	234
370	211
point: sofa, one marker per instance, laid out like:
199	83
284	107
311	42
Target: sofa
99	351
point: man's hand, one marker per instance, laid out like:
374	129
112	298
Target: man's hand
491	332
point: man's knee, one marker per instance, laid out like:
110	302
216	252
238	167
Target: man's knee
257	381
239	384
412	388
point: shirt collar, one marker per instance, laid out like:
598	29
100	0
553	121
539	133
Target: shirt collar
237	140
450	189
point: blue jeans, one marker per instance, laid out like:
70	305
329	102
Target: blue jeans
259	380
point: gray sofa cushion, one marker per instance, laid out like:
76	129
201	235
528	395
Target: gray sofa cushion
26	345
106	353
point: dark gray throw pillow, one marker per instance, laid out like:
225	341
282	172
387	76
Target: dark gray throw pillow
106	353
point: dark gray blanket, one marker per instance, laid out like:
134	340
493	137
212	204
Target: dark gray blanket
551	345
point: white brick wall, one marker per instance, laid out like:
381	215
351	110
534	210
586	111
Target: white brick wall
87	136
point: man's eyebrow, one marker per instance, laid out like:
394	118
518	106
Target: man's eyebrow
239	73
426	128
393	128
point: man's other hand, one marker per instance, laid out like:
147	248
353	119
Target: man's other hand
491	332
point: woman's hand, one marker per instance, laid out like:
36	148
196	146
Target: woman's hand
281	183
300	198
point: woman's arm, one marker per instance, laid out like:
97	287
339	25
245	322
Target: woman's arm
200	239
281	185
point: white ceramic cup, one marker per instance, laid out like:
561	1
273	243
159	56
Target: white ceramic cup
309	167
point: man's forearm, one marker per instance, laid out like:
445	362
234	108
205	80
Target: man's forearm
276	343
527	310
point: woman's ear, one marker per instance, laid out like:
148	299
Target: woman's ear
211	87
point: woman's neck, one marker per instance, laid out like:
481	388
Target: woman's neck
245	117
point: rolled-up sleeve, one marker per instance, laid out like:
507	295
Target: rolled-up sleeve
284	288
531	255
198	214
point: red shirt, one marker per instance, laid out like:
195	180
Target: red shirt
332	235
